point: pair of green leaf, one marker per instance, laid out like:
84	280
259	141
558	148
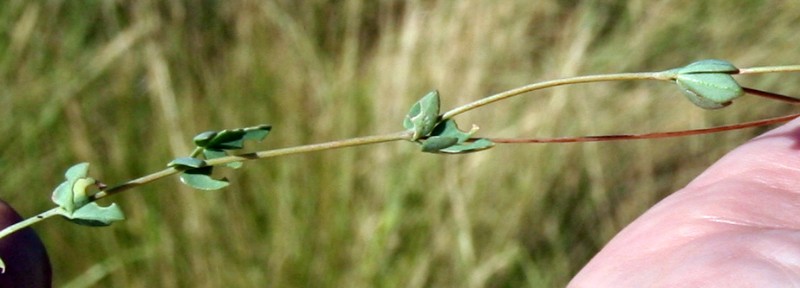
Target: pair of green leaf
231	139
438	136
71	196
708	83
211	145
447	138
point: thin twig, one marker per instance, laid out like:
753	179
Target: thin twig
404	135
770	69
552	83
615	137
771	95
28	222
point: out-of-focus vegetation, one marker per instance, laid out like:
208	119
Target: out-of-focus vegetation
124	85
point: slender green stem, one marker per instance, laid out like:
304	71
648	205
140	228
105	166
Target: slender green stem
770	69
664	75
405	135
28	222
558	82
196	152
134	183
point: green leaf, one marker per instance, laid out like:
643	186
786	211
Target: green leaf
708	66
200	178
469	147
227	139
186	163
95	215
423	115
73	199
447	138
708	83
77	171
214	153
64	195
231	139
709	91
202	139
79	195
257	133
436	143
212	145
449	128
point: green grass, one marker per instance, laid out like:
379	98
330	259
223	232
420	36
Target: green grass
126	86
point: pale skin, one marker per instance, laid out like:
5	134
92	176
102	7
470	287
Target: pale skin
736	225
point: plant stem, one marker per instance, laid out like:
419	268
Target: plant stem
404	135
769	69
667	75
28	222
134	183
771	95
558	82
196	152
653	135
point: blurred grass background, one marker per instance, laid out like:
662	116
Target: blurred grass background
124	85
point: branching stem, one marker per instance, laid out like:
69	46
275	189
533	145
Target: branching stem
668	75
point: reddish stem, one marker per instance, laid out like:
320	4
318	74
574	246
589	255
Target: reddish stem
648	135
770	95
756	92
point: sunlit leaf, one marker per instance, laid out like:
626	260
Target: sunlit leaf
94	215
200	178
63	195
79	195
72	197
